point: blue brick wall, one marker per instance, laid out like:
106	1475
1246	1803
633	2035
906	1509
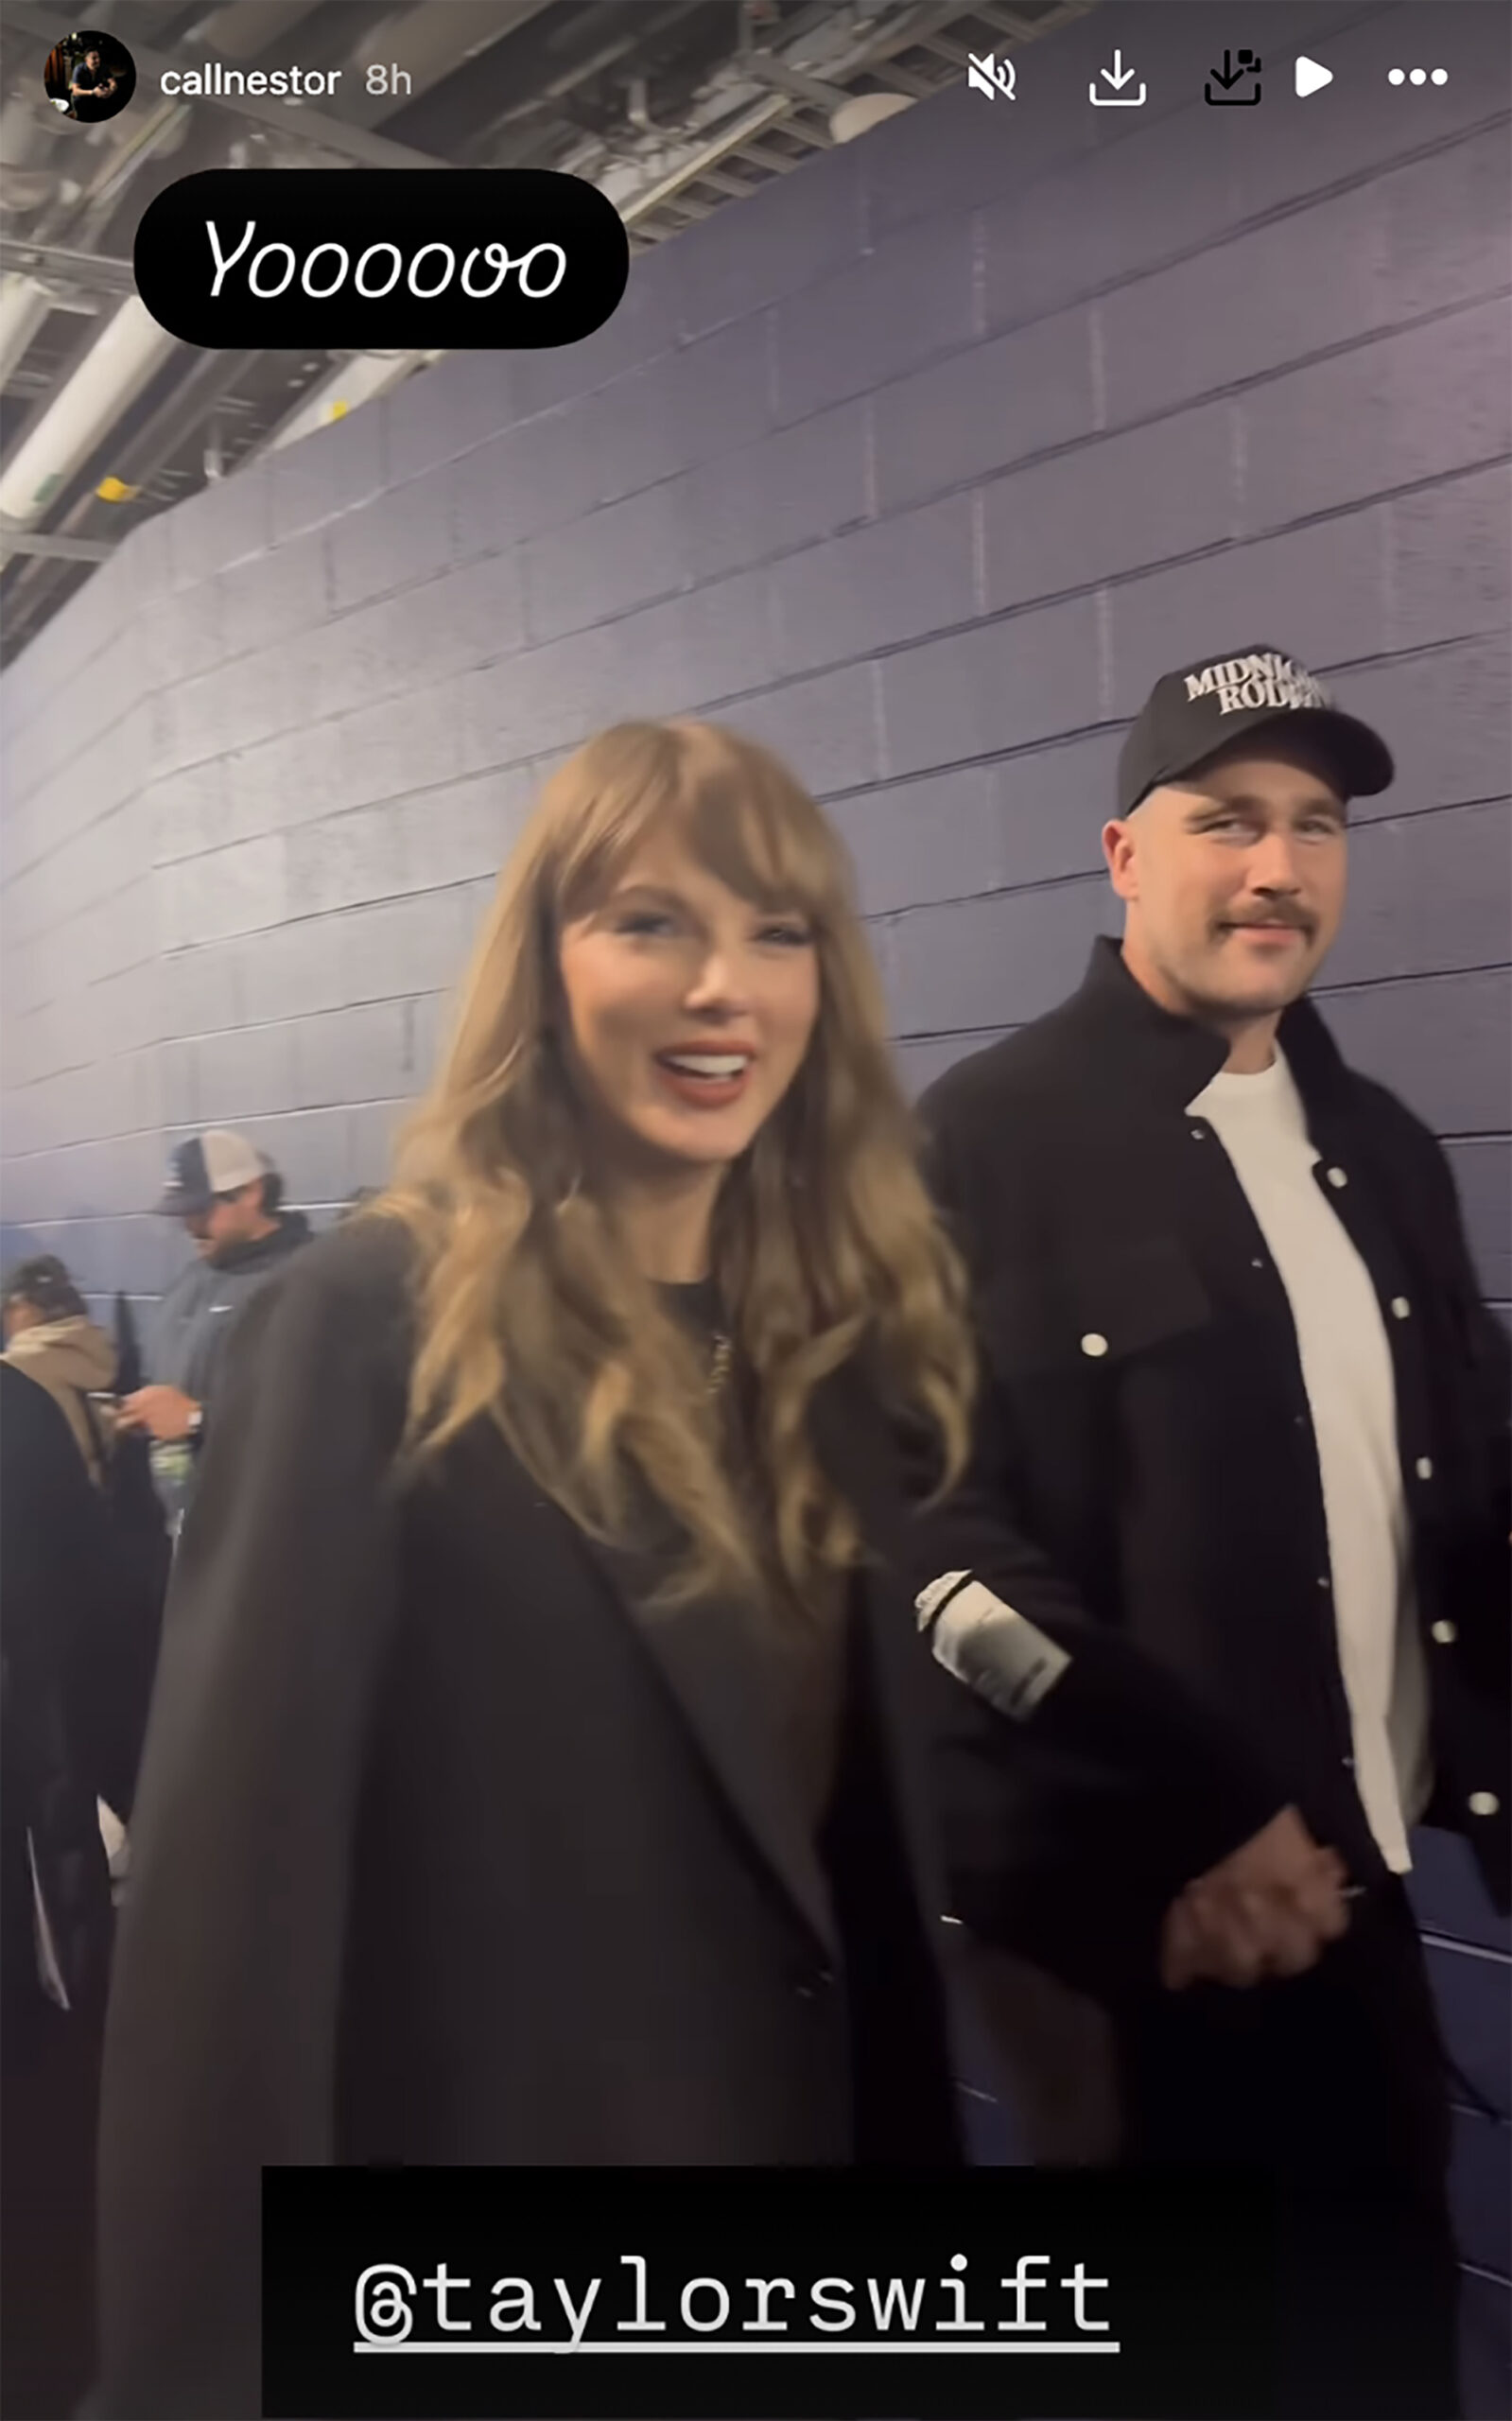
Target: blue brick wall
921	466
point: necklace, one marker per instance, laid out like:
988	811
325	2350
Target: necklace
719	1365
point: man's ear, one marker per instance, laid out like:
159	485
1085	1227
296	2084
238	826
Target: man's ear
1119	848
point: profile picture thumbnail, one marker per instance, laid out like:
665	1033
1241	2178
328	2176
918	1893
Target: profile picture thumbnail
89	76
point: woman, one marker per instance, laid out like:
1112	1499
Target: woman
51	1340
50	1336
527	1782
535	1773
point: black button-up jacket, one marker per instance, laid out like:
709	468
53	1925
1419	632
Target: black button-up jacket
1145	1420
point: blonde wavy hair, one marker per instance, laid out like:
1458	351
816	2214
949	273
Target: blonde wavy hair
529	1310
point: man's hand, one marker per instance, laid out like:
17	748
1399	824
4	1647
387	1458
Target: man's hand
164	1413
1269	1909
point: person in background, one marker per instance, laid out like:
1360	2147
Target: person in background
540	1764
227	1196
51	1338
1242	1394
49	1334
55	1894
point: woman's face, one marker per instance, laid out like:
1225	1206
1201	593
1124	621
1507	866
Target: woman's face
690	1009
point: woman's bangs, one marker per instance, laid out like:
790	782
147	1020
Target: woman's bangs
762	838
740	814
618	816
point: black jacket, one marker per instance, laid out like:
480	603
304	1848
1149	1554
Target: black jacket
443	1852
54	1712
1168	1474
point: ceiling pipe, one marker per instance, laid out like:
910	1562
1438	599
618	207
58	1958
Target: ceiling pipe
23	305
125	356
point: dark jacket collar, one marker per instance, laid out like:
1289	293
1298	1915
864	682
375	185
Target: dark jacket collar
292	1230
1170	1058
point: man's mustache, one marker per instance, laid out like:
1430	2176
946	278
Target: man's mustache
1281	913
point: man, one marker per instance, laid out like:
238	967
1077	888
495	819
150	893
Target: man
1242	1392
91	86
227	1196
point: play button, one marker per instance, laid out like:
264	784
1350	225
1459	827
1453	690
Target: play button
1310	78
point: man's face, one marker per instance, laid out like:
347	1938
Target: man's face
1234	882
92	59
231	1219
20	1316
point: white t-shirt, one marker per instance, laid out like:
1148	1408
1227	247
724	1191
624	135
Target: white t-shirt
1347	1369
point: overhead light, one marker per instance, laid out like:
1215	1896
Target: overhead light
866	111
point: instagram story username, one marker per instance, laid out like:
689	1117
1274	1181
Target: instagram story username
834	2273
454	2313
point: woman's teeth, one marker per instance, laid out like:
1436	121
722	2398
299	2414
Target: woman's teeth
711	1064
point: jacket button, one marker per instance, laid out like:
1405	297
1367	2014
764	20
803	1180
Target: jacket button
1424	1467
1197	1134
1446	1633
1484	1803
1257	1264
1093	1344
1399	1307
1337	1177
1324	1582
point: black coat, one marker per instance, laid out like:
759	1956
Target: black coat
1168	1474
443	1852
54	1709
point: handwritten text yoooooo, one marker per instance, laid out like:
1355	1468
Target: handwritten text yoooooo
334	273
381	260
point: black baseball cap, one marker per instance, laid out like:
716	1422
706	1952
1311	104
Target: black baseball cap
208	1167
1191	714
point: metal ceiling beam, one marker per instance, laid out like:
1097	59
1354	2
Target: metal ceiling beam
903	79
142	457
585	70
736	188
63	265
762	69
1005	21
299	124
248	29
430	44
751	123
950	52
859	57
206	391
67	551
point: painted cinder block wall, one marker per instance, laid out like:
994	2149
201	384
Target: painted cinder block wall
920	465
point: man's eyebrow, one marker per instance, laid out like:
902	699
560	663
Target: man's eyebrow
1208	804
